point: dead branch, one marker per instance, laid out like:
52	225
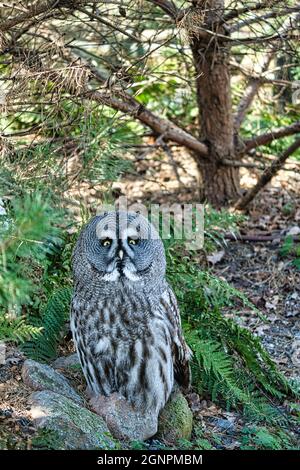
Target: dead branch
257	238
265	139
239	164
263	18
236	12
93	16
251	91
169	8
251	75
257	166
267	175
36	9
170	156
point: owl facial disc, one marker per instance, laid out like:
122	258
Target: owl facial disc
123	248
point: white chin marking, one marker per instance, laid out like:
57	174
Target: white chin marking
113	276
130	275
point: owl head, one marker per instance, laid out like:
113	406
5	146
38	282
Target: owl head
119	248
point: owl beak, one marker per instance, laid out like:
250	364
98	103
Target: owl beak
121	253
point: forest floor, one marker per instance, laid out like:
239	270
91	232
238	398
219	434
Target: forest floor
270	281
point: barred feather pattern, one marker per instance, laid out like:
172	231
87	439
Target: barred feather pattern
124	316
130	345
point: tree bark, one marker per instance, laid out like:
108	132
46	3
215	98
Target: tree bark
211	60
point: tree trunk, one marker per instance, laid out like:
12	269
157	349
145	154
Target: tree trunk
211	55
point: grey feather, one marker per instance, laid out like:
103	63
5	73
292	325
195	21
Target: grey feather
124	316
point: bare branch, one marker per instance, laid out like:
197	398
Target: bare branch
170	156
107	23
240	11
251	91
267	175
263	18
250	74
239	164
168	7
236	237
265	139
35	10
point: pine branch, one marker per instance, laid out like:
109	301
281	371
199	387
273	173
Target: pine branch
125	103
115	27
160	126
267	138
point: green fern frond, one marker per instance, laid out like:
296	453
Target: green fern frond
17	329
260	437
52	321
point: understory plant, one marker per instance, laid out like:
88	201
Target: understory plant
230	366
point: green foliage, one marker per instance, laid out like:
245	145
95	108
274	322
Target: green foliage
27	237
102	159
260	437
34	248
16	329
217	222
292	249
46	439
264	119
53	319
93	152
199	441
35	237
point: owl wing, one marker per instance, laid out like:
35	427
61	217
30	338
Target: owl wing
181	352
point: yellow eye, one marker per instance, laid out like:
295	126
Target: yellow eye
106	242
132	241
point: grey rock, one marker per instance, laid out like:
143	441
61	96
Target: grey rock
175	421
77	427
64	362
223	424
124	422
43	377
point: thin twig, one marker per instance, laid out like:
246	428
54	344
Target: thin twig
267	175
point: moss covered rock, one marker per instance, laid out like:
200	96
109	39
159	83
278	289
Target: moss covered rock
43	377
77	427
175	420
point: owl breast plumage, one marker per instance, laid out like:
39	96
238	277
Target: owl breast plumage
124	316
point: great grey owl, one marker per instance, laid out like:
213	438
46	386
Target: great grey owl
124	316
